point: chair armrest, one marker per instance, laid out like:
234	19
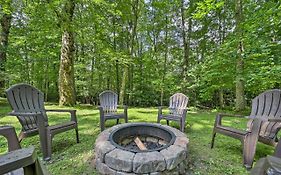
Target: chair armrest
17	159
60	110
221	115
230	115
22	158
71	111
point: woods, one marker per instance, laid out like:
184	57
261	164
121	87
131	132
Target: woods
219	53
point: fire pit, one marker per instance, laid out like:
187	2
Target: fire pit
141	148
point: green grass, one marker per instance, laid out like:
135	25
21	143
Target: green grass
71	158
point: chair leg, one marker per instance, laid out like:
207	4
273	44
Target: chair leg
213	139
249	150
182	125
158	119
250	144
102	122
77	135
102	125
49	144
117	121
167	122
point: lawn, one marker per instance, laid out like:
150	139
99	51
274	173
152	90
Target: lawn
70	158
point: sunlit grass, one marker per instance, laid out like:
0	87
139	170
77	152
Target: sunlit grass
71	158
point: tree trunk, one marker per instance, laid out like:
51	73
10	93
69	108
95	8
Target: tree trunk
116	62
66	71
4	38
240	96
165	62
123	86
186	47
221	98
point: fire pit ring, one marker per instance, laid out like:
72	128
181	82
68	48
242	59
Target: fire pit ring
152	131
112	157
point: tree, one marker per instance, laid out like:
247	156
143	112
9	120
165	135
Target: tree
240	97
5	21
66	71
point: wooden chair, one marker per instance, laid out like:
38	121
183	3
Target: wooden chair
263	125
108	108
177	108
27	103
19	161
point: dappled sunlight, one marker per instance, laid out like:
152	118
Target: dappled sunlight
199	125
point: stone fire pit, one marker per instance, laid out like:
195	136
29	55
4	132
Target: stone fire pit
117	154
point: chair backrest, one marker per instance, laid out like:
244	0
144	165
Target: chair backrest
178	103
26	98
108	100
268	104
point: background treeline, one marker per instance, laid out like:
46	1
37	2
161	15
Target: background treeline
219	53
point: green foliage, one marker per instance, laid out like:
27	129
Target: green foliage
104	47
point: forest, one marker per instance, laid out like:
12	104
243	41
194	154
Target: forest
219	53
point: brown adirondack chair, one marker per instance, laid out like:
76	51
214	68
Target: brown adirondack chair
27	103
177	110
19	160
108	108
263	125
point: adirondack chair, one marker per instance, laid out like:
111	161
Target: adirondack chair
108	108
177	110
27	103
263	125
19	160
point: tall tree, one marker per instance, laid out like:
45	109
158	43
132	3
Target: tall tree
240	97
5	20
66	70
185	41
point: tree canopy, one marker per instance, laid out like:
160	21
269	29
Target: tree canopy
216	52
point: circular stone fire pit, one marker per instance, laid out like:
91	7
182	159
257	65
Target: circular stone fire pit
163	150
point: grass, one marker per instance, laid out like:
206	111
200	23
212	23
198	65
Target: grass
71	158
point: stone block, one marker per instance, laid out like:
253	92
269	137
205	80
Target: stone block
182	142
102	137
148	162
120	160
173	155
104	169
102	148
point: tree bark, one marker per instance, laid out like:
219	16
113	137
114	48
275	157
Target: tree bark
186	42
165	62
4	40
123	85
240	94
66	71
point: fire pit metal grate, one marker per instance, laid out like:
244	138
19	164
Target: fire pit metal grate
155	137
